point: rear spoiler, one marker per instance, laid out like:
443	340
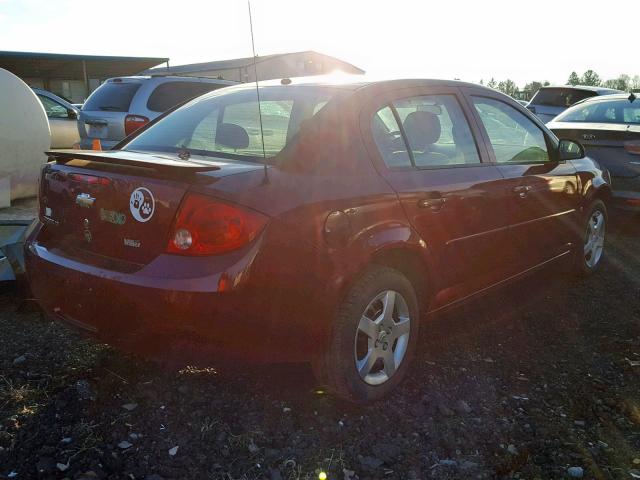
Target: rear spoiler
157	162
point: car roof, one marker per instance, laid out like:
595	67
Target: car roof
356	82
609	98
587	88
188	78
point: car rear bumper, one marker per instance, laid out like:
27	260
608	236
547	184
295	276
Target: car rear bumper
626	200
87	143
153	309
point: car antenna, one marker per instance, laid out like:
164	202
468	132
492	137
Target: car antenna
255	73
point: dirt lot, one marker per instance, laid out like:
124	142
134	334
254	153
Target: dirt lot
527	383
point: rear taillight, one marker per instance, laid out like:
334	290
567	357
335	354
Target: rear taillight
206	226
133	123
632	147
89	179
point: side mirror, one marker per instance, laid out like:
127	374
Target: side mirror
570	150
72	114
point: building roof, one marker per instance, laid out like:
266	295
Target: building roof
67	66
238	63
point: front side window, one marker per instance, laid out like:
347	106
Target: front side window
513	136
227	123
53	108
435	128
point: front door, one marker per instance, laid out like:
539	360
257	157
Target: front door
428	153
543	191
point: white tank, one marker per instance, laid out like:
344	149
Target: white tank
24	137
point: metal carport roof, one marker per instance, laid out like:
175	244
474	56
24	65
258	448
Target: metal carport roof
67	67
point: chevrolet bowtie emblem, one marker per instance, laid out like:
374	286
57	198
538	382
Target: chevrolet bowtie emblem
85	200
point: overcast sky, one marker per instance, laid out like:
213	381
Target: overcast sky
470	40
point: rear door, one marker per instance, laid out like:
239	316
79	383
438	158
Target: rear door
102	116
426	149
543	196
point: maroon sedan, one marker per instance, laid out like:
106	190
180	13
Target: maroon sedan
324	235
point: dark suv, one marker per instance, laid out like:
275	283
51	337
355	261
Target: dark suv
367	206
549	102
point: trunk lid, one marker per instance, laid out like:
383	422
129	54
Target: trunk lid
604	142
115	205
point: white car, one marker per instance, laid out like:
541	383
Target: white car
63	119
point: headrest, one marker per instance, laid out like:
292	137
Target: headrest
422	129
232	136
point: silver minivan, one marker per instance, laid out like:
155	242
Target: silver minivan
121	105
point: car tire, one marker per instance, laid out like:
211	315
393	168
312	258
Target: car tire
373	337
590	253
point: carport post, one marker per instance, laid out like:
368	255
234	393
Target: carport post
86	79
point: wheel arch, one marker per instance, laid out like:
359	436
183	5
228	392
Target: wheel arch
411	264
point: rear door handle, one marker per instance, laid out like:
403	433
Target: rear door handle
522	190
434	204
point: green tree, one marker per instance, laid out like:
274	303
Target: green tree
532	87
574	79
492	83
591	78
623	82
509	87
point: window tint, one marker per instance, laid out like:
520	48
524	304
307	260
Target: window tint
112	97
513	136
214	124
53	108
610	111
435	127
170	94
560	97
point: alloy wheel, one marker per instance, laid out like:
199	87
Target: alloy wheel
594	238
382	337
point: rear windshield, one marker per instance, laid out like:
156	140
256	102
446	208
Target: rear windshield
560	97
607	111
227	123
170	94
112	97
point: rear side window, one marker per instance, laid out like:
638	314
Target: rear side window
435	128
615	111
227	123
112	97
560	97
513	136
170	94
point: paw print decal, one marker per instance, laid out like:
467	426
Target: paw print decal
142	204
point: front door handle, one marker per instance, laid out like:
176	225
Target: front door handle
522	190
433	204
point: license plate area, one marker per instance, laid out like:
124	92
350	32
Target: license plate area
97	131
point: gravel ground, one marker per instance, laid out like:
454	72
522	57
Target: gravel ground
539	380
